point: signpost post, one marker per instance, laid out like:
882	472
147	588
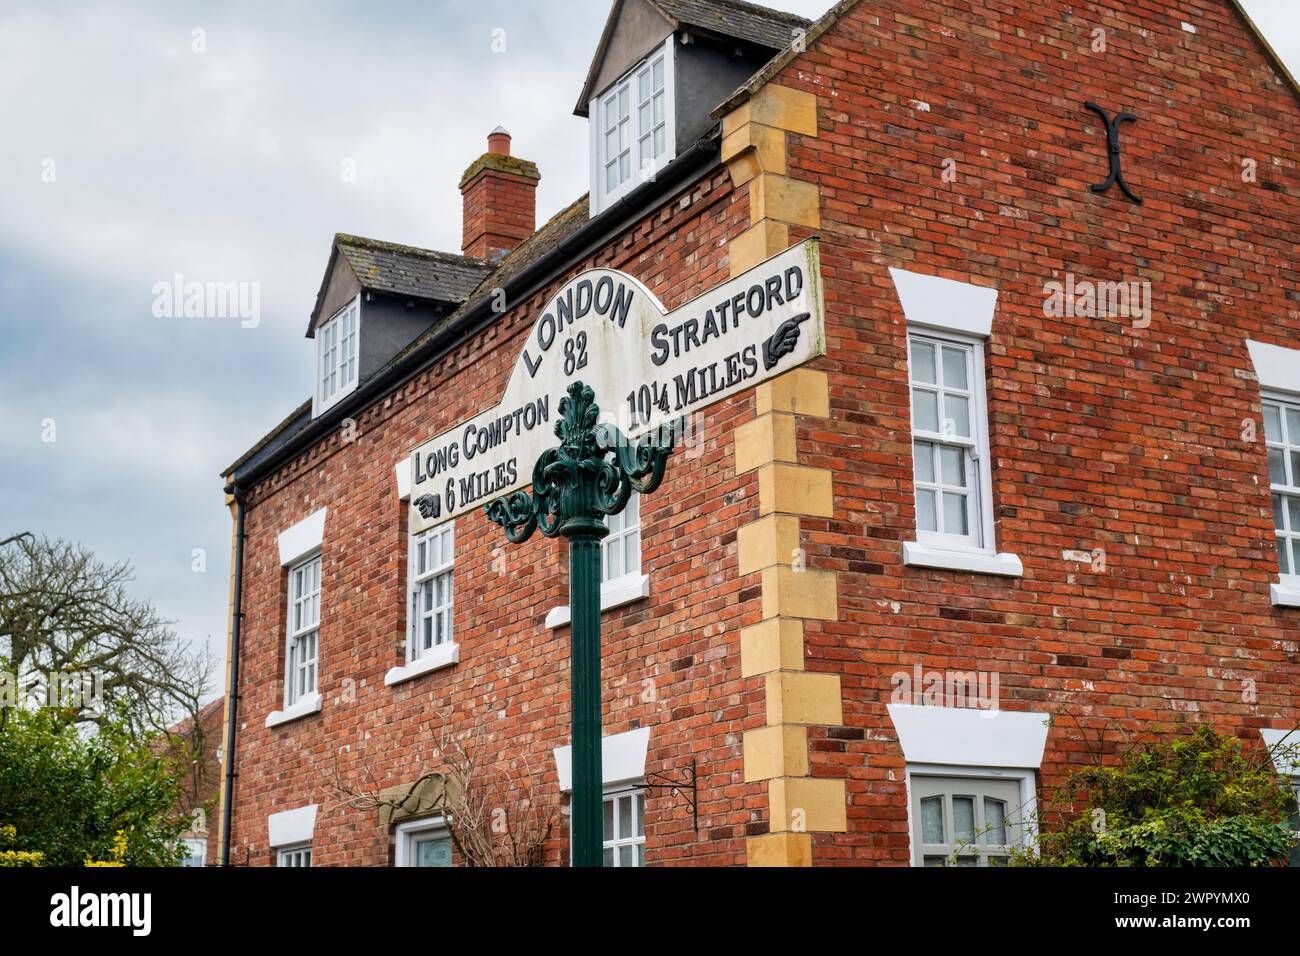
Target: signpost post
604	333
589	476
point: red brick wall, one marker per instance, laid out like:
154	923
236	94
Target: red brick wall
1103	437
512	679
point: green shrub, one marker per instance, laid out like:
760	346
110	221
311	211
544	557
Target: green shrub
1198	799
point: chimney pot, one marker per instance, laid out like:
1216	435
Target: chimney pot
499	142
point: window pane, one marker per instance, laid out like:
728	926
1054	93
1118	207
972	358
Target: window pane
632	552
954	514
661	144
1295	469
609	820
639	801
995	821
1293	507
624	818
925	411
927	518
1279	513
963	819
923	457
1282	561
625	856
1293	425
1276	466
659	73
932	820
954	368
956	415
953	465
1273	424
608	859
923	363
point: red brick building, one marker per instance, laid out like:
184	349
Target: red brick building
1041	491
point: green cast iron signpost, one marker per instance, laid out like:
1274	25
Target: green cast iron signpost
575	486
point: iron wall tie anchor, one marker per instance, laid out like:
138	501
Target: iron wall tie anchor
1112	151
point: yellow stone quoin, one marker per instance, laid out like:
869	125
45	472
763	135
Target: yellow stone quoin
774	645
755	148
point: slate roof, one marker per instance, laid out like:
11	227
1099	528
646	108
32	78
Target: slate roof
735	18
407	270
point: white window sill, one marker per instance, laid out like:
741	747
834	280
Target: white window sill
1286	595
435	658
976	562
306	705
616	593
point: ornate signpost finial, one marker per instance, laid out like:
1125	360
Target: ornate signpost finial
590	475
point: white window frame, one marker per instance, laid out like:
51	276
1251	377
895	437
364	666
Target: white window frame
422	660
335	358
612	797
407	834
976	550
1289	446
294	695
1028	808
978	477
622	589
433	539
299	854
621	527
601	196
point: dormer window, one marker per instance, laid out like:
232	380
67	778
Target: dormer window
337	348
632	128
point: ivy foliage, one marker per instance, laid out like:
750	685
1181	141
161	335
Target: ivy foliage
1198	799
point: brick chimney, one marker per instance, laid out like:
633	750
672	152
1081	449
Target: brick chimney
499	193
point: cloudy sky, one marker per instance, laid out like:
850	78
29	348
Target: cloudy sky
228	142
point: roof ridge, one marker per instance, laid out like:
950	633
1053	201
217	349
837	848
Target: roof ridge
348	239
758	8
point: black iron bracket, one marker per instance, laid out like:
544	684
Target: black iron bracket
684	787
1112	151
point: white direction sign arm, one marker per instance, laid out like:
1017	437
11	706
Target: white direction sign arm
647	367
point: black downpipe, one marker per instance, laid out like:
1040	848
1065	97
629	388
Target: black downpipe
237	614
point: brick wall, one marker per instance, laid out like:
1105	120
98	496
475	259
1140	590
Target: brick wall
1104	436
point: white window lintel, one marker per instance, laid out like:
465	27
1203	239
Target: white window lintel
302	539
1275	367
945	304
622	759
291	827
964	736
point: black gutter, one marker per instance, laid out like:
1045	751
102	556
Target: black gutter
236	617
686	169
